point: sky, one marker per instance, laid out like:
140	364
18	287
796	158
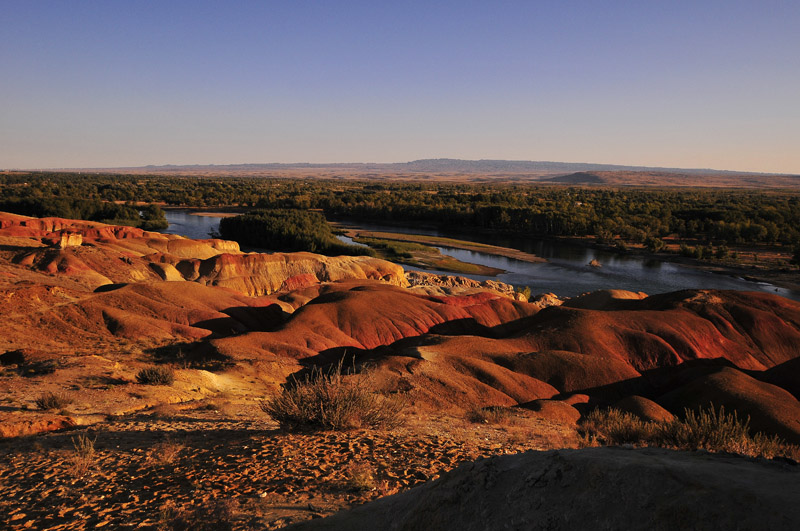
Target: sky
691	84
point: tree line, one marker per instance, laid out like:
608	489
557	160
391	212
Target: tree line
529	209
287	230
147	217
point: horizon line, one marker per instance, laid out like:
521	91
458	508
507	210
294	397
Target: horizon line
618	167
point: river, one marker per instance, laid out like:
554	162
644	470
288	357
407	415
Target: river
566	273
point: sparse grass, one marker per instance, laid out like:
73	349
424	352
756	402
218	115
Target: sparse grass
718	431
707	429
333	401
612	426
489	415
51	400
159	375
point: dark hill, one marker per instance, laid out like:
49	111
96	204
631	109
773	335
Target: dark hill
580	177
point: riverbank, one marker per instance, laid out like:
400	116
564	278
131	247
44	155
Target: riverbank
215	214
439	241
764	265
783	277
422	256
565	270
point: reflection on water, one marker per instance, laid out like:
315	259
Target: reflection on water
195	227
566	273
570	277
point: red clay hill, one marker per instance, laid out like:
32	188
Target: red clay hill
86	302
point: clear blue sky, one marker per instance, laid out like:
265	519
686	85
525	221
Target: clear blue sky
664	83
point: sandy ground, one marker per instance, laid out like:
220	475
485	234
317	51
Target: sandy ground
182	459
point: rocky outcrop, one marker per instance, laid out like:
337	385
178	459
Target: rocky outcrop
594	488
70	239
124	254
261	274
603	298
453	284
11	427
545	300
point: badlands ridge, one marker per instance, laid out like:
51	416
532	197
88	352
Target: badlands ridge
86	305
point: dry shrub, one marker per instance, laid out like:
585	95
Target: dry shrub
706	429
53	401
333	401
156	376
489	415
165	452
359	477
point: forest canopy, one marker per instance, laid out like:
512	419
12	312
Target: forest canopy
287	230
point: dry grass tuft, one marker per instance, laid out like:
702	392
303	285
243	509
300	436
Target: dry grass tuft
51	400
710	429
333	401
84	455
165	453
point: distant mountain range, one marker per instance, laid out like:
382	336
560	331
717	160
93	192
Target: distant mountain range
483	166
529	166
